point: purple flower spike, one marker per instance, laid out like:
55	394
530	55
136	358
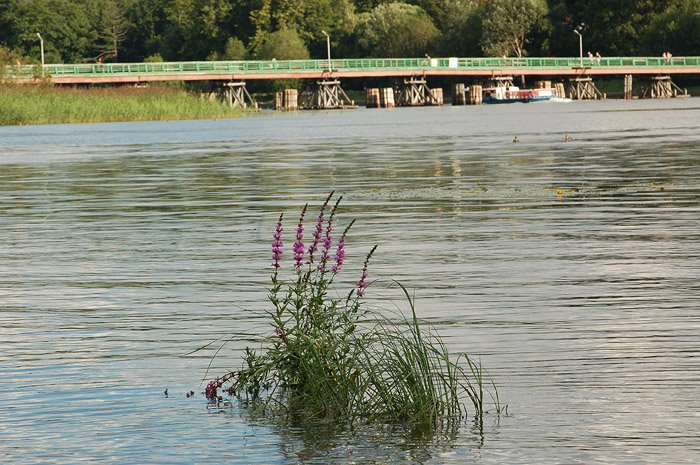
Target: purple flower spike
299	244
317	237
277	244
319	229
327	242
362	283
339	255
340	251
299	249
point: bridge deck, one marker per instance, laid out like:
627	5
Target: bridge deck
347	68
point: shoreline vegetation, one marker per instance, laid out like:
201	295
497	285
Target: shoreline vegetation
46	104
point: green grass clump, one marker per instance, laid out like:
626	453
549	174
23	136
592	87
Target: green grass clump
46	104
329	358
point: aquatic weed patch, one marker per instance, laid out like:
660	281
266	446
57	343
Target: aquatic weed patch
46	104
330	358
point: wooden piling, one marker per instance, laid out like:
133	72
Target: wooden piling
559	90
628	87
476	96
415	92
372	98
236	95
291	99
459	96
663	87
438	98
386	98
583	88
279	100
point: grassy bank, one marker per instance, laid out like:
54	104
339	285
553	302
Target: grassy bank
49	105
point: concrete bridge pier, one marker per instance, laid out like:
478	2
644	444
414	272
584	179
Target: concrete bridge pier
415	93
583	88
327	95
236	95
663	87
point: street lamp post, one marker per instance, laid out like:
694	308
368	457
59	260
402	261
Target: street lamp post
580	45
328	45
41	44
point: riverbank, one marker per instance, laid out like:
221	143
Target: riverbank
23	105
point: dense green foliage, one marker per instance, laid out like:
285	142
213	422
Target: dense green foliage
176	30
47	105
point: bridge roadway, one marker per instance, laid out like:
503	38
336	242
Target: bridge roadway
347	68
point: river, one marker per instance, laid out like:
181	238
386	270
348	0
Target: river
570	268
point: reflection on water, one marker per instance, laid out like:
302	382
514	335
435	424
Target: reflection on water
570	268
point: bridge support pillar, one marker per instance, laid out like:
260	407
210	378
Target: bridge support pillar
326	95
627	91
236	95
559	90
663	87
583	88
415	93
459	95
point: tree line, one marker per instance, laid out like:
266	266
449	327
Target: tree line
77	31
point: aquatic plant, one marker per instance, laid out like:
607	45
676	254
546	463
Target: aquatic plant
330	358
46	104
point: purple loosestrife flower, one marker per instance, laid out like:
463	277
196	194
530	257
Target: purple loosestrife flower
339	255
328	239
317	237
362	283
211	391
340	250
277	244
299	244
319	228
327	242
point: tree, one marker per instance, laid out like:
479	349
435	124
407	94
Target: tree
396	30
677	30
284	44
112	27
507	24
149	21
235	49
307	17
461	24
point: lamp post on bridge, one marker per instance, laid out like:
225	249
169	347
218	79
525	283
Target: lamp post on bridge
328	45
41	44
580	42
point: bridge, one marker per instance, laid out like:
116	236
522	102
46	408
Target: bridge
348	68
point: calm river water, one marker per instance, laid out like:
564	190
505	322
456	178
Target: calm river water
570	268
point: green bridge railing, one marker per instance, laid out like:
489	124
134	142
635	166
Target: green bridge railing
354	64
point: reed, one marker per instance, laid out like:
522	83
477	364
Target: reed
330	358
45	104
